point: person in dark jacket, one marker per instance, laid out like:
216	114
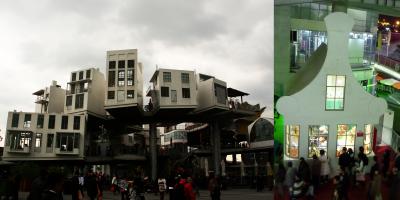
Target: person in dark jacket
315	171
91	185
344	159
386	162
38	186
304	171
54	189
76	188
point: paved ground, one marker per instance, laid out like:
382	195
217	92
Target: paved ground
233	194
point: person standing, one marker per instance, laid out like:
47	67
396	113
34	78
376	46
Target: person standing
315	171
162	185
214	187
91	185
344	159
290	175
38	186
386	162
279	181
325	170
304	170
76	190
188	190
55	185
363	162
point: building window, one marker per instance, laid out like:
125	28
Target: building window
80	75
73	76
130	77
110	94
335	92
49	145
120	95
38	142
130	139
367	138
68	102
87	73
185	92
72	88
15	120
52	121
318	139
292	141
130	94
220	93
164	91
111	64
131	63
185	77
27	120
79	98
111	78
67	141
64	122
77	122
19	140
121	78
167	76
121	64
345	137
40	121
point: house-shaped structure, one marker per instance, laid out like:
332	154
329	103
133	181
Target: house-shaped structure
327	108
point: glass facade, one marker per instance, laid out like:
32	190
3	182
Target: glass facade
368	139
318	139
346	135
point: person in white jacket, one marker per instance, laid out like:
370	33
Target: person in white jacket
325	170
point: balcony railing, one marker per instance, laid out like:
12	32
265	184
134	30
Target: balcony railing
75	151
24	150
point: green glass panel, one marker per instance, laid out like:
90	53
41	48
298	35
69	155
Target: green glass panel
330	104
338	104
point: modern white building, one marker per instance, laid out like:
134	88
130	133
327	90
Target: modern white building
124	77
50	99
44	136
211	94
85	92
327	108
173	89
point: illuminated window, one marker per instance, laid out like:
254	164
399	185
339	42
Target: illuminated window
38	142
346	135
292	141
367	139
335	92
318	139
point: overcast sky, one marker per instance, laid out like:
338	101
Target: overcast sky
45	40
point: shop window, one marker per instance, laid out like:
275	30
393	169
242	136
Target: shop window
15	120
292	141
27	120
67	141
80	75
129	77
185	77
131	63
130	94
52	121
72	89
167	76
18	140
185	92
121	78
49	145
346	134
111	78
111	95
368	138
111	64
64	122
121	64
79	98
164	91
318	139
40	121
335	92
38	142
77	122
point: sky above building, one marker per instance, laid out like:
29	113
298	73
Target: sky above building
45	40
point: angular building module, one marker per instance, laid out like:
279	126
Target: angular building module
85	92
173	89
50	99
212	95
124	91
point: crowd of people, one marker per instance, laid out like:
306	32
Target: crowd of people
355	171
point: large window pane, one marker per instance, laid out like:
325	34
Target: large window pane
318	139
335	90
346	134
292	141
15	120
367	139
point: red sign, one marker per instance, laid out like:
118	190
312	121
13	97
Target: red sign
360	134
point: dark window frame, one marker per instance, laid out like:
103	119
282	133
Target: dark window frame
164	91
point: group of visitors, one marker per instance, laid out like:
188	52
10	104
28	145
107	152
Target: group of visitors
182	188
355	171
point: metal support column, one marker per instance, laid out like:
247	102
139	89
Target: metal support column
153	150
216	137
